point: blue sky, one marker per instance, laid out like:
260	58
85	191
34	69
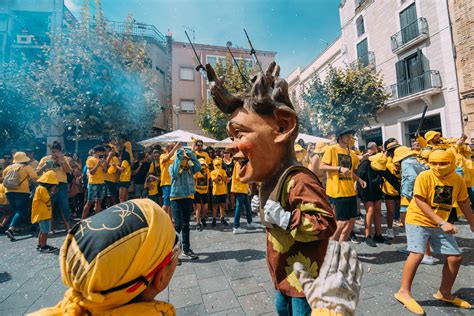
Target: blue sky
296	29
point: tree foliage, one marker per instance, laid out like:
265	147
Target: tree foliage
349	97
209	117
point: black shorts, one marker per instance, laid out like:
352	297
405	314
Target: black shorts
200	198
346	207
219	199
391	197
124	184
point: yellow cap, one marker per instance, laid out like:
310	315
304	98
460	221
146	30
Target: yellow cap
20	157
298	147
401	153
378	162
320	147
48	177
429	135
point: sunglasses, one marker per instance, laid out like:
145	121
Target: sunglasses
199	145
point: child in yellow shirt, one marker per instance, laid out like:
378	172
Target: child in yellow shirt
436	192
219	192
201	185
41	209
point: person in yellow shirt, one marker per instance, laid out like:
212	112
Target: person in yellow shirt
166	160
111	176
18	195
127	146
391	196
154	178
436	192
5	213
198	148
125	170
201	185
219	192
96	169
41	211
432	139
242	201
341	163
61	167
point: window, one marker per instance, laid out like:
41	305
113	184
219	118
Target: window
186	73
213	61
363	52
358	3
187	106
409	24
360	25
430	123
412	74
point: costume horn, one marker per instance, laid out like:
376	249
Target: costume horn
225	101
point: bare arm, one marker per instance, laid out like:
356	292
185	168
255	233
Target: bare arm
426	208
466	209
171	153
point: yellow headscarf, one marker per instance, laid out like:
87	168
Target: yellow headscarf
118	245
378	162
442	156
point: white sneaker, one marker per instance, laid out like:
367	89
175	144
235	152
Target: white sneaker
253	225
239	231
390	233
428	260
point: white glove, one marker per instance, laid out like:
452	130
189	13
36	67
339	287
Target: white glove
255	204
275	214
338	285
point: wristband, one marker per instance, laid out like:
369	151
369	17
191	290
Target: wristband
339	169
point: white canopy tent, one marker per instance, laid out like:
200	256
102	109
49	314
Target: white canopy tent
223	143
312	139
176	136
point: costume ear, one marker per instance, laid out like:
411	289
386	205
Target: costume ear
287	123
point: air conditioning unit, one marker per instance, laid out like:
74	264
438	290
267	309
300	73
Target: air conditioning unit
24	39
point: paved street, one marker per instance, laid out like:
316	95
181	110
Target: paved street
231	277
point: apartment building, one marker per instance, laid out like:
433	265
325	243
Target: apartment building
189	90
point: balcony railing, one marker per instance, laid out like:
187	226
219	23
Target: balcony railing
136	29
410	34
365	60
428	80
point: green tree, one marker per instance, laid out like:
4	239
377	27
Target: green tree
349	97
209	117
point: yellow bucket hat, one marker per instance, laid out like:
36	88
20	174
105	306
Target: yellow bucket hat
378	162
320	147
425	153
20	157
429	135
298	147
48	177
108	259
401	153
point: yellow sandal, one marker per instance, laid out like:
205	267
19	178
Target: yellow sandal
455	301
411	304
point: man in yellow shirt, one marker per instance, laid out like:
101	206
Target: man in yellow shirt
198	148
96	169
219	192
341	163
435	194
201	185
166	160
111	176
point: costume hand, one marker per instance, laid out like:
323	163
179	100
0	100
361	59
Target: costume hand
275	214
338	285
449	228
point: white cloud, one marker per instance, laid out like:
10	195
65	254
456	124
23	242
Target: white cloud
72	5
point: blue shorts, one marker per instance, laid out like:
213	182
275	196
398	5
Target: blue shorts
95	192
44	226
111	189
403	208
166	195
440	241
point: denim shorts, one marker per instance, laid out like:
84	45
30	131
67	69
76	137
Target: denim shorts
403	208
111	189
166	195
440	241
95	192
44	226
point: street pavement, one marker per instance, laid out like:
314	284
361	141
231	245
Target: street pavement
231	277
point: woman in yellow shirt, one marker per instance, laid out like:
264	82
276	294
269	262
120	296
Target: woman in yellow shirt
201	185
125	176
219	191
41	211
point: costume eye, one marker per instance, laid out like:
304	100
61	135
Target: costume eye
238	133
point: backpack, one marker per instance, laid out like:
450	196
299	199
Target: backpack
12	180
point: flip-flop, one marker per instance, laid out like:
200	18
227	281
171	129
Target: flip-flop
410	304
455	301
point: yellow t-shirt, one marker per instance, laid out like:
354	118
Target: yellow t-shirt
153	184
237	186
204	155
387	188
219	187
126	174
26	173
441	193
128	148
41	207
165	172
338	185
99	175
3	195
58	170
112	173
201	181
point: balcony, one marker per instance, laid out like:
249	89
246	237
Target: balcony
421	87
410	35
364	60
137	30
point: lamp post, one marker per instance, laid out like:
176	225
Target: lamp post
176	109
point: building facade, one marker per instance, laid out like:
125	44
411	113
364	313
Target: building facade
189	90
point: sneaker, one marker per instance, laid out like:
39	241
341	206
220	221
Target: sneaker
253	225
203	222
381	240
239	231
390	233
47	249
369	241
10	234
213	224
224	222
189	254
429	260
353	238
199	227
179	262
38	247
